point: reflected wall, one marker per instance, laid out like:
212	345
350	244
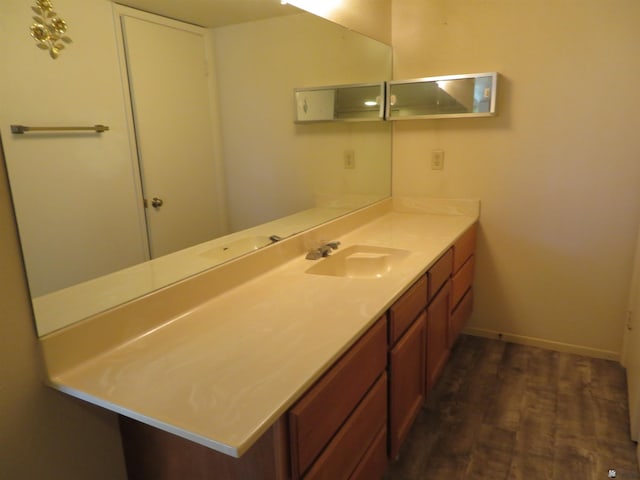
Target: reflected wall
77	197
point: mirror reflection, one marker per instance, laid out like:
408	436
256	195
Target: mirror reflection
440	97
215	165
350	103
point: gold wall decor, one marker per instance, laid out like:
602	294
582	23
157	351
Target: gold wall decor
49	29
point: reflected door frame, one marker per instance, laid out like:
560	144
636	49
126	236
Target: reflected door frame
163	238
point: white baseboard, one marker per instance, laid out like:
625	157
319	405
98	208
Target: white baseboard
546	344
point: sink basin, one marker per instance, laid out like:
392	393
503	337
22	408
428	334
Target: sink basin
359	261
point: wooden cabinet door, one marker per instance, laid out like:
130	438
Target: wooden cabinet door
437	335
406	382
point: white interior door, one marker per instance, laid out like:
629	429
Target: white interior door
172	110
632	351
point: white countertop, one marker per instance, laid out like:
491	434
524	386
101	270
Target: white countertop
223	372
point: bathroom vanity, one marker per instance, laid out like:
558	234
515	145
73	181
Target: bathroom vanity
278	367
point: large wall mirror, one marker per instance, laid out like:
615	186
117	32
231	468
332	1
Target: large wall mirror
203	160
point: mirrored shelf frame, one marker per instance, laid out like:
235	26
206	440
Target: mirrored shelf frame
449	96
347	103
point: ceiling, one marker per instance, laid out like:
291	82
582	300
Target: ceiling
213	13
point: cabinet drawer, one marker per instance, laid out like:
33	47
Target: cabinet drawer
464	247
348	447
405	310
460	315
375	460
318	415
439	273
461	282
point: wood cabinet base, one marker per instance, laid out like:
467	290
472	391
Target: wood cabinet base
153	454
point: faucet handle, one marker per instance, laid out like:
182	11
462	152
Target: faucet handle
314	254
322	251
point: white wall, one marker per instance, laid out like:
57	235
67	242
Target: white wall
558	171
274	167
75	194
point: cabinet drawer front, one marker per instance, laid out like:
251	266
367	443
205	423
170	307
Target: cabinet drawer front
407	388
464	247
439	273
318	415
349	446
406	309
461	282
459	316
375	460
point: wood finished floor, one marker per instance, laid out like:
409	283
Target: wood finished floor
506	411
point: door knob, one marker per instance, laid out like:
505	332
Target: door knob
157	202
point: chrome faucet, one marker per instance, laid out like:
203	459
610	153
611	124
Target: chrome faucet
322	251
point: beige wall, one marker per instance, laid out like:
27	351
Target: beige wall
369	17
44	434
558	171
